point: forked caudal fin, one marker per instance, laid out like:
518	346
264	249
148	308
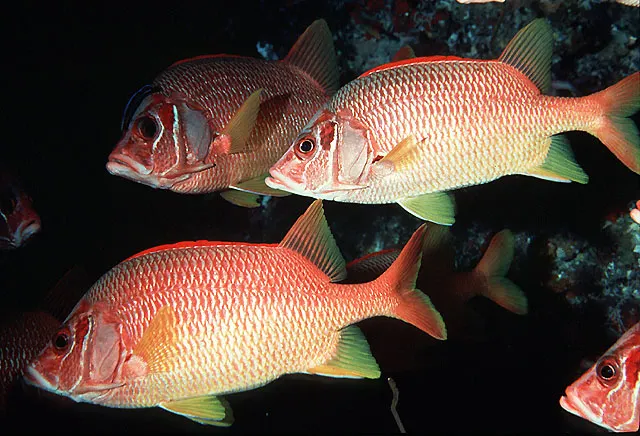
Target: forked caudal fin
413	307
615	130
494	266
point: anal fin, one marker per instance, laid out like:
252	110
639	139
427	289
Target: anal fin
208	410
241	198
560	164
258	186
352	359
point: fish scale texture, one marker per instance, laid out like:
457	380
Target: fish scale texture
221	85
245	316
479	120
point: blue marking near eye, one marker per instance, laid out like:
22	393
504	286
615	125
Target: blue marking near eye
133	104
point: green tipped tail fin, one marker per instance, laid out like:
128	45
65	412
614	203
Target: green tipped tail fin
494	266
616	131
413	307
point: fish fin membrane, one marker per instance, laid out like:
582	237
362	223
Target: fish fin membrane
403	155
369	267
617	132
530	52
258	186
413	306
437	207
241	198
353	358
494	266
208	410
405	52
242	123
314	53
157	347
438	253
560	164
311	237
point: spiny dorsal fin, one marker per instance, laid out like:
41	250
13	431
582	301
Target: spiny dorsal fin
311	237
208	410
313	53
405	52
242	123
257	186
241	198
352	359
157	347
530	52
560	164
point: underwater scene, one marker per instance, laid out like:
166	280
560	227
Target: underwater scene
341	216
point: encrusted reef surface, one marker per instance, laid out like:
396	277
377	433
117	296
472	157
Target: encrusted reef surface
577	250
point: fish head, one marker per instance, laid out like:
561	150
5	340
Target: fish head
18	219
165	141
331	156
607	394
84	358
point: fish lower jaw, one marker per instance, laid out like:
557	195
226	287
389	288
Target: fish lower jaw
34	378
581	410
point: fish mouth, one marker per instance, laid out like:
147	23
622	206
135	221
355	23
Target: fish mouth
122	165
574	405
32	377
127	168
26	230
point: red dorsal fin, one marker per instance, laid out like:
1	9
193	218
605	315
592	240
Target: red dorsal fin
192	244
201	57
413	61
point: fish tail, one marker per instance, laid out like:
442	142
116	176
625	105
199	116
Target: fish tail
493	267
413	306
616	131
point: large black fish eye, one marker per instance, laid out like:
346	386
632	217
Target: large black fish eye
61	341
147	127
607	369
304	148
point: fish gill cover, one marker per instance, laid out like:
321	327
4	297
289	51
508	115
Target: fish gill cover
69	73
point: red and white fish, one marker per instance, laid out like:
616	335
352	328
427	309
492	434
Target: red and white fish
217	123
409	131
608	393
18	219
178	326
448	289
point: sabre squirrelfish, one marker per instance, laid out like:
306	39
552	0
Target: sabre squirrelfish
217	123
608	393
177	326
409	131
19	221
449	289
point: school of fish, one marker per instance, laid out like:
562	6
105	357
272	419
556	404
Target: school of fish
180	326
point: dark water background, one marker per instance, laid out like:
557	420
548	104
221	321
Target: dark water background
68	72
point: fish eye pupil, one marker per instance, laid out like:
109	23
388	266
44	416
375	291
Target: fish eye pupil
147	127
306	146
607	372
61	341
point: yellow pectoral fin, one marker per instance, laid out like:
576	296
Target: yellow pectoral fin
258	186
403	155
208	410
352	359
157	347
242	123
437	207
241	198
